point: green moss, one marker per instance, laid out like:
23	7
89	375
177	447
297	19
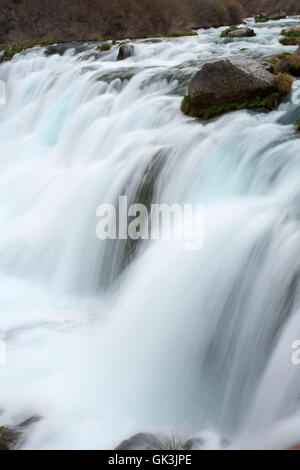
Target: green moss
270	102
291	33
177	34
174	34
297	125
260	19
228	30
104	47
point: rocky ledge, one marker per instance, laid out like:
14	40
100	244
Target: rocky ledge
273	16
233	84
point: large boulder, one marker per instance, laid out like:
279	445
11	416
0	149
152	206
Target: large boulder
241	33
229	84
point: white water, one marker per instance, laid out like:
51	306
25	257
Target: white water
186	342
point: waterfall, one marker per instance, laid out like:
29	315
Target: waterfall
102	345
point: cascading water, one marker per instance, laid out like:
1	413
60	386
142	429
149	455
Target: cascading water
197	343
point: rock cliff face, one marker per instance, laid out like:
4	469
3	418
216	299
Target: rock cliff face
67	20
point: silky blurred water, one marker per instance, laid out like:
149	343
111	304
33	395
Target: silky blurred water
197	343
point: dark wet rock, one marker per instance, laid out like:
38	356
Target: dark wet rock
273	16
276	16
241	33
193	444
145	195
269	67
229	84
141	441
125	51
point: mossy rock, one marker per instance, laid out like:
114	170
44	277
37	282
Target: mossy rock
290	41
227	85
224	33
261	19
291	33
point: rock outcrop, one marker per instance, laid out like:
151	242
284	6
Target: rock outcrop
230	84
274	16
242	33
125	51
234	32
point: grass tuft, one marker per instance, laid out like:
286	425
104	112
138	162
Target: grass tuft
284	83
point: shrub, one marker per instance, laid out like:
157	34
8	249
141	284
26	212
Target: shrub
294	63
284	83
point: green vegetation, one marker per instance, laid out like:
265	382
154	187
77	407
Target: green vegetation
261	19
270	102
104	47
297	125
291	33
228	30
10	435
177	34
174	34
173	443
284	83
286	63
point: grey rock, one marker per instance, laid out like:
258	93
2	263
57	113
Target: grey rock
230	80
241	33
269	67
